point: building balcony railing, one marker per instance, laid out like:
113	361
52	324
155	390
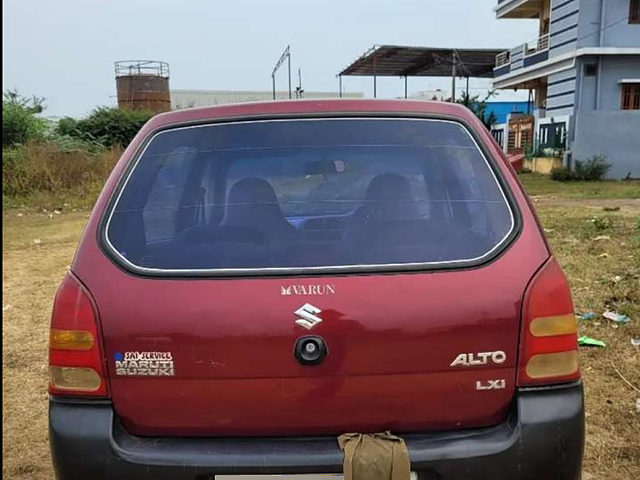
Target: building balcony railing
522	56
503	59
519	8
537	46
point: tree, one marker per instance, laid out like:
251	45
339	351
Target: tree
12	98
479	107
19	121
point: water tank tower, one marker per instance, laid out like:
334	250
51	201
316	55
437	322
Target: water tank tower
143	85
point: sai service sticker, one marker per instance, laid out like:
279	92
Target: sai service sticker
144	364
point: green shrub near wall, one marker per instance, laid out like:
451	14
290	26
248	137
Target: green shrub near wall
594	169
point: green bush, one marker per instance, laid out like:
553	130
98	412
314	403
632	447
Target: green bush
593	169
562	174
602	223
19	121
67	126
590	170
69	139
110	127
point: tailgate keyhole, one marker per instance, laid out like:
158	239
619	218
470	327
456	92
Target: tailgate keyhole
310	350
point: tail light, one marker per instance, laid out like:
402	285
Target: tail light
549	344
76	365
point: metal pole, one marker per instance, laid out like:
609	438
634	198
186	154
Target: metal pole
285	55
340	83
375	78
467	89
600	42
453	78
289	68
405	86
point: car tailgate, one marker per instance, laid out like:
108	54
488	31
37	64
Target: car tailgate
405	352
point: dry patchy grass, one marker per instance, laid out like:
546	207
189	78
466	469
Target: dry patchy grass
600	253
30	276
45	175
31	273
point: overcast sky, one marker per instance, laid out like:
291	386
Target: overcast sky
64	49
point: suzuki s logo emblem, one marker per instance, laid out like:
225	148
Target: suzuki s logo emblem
308	316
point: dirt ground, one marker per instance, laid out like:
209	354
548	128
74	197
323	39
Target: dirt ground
600	251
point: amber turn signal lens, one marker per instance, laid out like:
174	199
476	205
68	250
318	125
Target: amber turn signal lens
70	340
553	364
74	378
554	326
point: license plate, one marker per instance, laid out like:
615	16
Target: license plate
317	476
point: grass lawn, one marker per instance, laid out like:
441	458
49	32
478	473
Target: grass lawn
537	184
600	251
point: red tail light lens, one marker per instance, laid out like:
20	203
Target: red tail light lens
76	365
548	344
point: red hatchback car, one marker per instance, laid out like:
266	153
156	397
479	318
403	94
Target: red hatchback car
258	279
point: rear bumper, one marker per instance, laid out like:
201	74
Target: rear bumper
543	438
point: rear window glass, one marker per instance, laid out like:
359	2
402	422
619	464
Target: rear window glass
317	193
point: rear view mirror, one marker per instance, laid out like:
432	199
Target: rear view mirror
322	167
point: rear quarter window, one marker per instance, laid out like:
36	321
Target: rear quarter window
314	194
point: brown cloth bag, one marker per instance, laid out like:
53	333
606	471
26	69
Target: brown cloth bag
374	456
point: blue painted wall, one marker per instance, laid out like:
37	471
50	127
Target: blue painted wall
613	69
612	134
563	28
502	109
618	32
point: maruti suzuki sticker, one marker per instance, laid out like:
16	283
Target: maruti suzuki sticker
145	364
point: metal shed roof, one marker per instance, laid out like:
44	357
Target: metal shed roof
399	61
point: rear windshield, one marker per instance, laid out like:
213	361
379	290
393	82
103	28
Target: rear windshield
309	194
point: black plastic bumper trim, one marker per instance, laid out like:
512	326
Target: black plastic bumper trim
542	438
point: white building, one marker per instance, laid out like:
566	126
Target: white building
203	98
434	95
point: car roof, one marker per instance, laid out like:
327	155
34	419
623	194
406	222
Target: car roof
310	107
